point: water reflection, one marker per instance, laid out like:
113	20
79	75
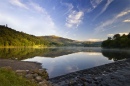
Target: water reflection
24	53
70	63
59	61
116	54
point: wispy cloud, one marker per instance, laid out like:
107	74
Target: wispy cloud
74	19
103	26
18	3
104	8
123	14
69	7
95	3
126	20
37	7
39	23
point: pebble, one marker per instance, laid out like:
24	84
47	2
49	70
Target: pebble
29	76
38	78
35	76
113	74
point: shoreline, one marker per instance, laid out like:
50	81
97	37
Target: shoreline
20	65
97	76
111	74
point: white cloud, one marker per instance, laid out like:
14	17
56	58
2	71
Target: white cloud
74	19
18	3
95	3
69	7
38	23
103	26
104	8
124	33
37	7
94	40
126	20
123	14
111	35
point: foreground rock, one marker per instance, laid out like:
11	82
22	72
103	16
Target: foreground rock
30	70
39	76
113	74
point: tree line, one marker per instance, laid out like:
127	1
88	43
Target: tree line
117	41
10	37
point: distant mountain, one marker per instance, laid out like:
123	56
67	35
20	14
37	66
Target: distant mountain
92	44
13	38
59	41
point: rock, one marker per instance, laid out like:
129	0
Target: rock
89	81
41	71
21	71
42	84
33	80
29	76
83	79
38	78
85	84
35	75
45	83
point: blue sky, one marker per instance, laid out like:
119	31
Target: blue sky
75	19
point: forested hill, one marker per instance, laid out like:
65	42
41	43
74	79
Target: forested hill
10	37
118	41
59	41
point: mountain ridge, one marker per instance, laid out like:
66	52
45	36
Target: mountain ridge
11	37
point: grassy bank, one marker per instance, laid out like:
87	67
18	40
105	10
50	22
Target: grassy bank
10	78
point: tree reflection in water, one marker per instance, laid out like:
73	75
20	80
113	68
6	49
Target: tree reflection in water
24	53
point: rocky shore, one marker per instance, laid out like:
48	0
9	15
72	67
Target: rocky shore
29	70
113	74
19	65
39	76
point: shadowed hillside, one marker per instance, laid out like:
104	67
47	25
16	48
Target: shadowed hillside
12	38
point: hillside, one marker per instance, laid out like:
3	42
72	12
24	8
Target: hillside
12	38
59	41
92	44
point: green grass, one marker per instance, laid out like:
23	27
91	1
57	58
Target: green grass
10	78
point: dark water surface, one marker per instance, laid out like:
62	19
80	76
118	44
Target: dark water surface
60	61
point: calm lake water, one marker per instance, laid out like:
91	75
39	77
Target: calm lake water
60	61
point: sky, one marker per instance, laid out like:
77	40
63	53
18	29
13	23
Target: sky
83	20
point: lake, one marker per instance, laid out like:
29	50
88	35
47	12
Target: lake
60	61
